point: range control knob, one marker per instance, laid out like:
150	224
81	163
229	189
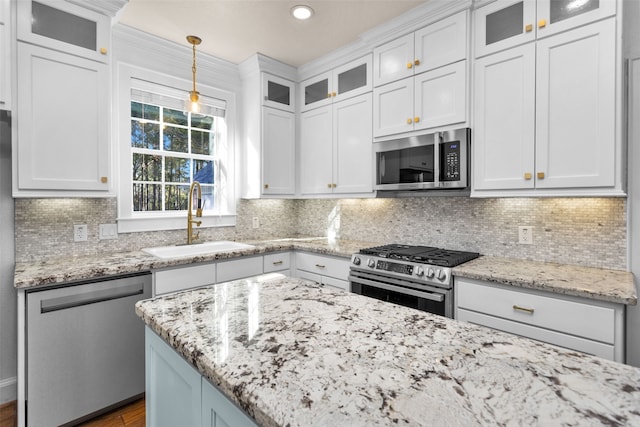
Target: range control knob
356	260
371	263
441	275
419	271
430	273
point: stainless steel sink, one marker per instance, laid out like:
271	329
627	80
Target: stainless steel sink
178	251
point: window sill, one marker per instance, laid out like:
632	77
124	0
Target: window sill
157	223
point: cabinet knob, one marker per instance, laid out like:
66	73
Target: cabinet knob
527	176
329	186
103	179
409	64
540	175
416	119
542	23
266	186
329	95
334	185
528	28
409	121
103	50
333	94
416	62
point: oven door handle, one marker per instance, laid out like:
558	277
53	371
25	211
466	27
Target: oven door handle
398	289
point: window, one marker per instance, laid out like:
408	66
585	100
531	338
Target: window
164	149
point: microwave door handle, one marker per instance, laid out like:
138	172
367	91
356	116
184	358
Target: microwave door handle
436	159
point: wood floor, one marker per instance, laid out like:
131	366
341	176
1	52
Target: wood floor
132	415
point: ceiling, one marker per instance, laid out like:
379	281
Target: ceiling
236	29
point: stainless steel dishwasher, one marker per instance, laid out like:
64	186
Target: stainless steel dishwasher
85	348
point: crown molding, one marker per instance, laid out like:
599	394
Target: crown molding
142	49
259	62
105	7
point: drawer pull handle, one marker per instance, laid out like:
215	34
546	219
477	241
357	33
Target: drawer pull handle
320	266
526	310
277	262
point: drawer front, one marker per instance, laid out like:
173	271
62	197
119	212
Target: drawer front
323	265
312	277
238	269
178	279
606	351
277	262
335	283
576	318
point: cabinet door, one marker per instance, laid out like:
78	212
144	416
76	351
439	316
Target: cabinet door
504	24
393	108
504	109
238	269
393	61
316	145
278	151
173	387
352	79
554	16
5	66
278	93
63	131
441	43
575	108
353	140
65	27
440	96
219	411
316	91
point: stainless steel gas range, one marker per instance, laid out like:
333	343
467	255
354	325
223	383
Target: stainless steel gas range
413	276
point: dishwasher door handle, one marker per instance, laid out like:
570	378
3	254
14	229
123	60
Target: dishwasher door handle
71	301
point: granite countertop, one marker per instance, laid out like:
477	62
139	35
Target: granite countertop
594	283
297	354
63	270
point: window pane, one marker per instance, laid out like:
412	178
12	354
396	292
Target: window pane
201	142
145	135
203	171
176	139
176	198
177	169
202	122
147	167
145	111
174	117
147	197
208	198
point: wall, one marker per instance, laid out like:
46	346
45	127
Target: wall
583	231
8	327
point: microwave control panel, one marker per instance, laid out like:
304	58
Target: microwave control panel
450	161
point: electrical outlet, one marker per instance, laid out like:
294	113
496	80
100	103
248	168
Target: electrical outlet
525	235
256	222
80	233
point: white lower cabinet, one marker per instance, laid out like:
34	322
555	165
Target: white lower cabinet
182	278
177	395
278	263
590	326
327	270
238	268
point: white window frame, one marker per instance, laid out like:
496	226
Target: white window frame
132	77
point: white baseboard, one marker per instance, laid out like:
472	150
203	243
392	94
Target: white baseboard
8	390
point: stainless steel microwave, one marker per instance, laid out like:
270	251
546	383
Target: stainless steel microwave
439	160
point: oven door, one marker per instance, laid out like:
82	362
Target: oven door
402	292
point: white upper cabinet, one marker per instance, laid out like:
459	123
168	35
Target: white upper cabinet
278	92
64	27
278	151
345	81
5	56
336	148
507	23
438	44
545	116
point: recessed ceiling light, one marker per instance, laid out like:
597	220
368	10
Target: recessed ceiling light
301	12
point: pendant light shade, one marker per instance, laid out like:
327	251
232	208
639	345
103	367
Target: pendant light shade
193	101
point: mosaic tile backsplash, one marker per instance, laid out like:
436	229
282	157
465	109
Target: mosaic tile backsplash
583	231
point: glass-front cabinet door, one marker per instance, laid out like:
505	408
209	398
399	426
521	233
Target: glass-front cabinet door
278	92
553	16
504	24
64	26
316	91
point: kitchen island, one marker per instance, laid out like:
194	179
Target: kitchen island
298	354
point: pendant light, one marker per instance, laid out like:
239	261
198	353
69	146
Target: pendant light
193	102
